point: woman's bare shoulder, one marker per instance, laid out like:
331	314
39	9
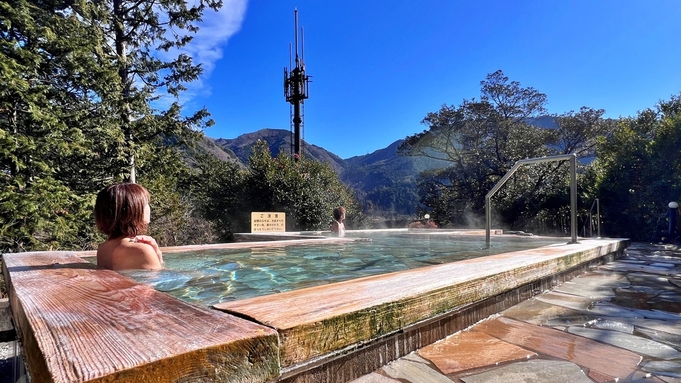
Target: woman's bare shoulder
105	253
134	255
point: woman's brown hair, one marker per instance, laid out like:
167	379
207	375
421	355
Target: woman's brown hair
119	210
338	212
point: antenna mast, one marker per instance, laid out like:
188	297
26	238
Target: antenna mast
296	88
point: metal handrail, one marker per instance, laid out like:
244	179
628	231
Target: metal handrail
598	218
573	191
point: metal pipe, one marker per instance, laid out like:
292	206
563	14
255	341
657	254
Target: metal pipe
596	203
591	234
598	216
573	191
573	198
671	216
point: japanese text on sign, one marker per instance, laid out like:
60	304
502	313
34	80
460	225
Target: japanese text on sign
267	221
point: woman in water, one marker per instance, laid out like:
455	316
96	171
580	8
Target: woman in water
122	212
337	225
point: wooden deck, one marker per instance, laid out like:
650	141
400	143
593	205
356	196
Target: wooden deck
318	320
80	324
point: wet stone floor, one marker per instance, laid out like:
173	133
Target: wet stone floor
619	322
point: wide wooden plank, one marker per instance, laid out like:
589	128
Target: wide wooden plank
321	319
81	324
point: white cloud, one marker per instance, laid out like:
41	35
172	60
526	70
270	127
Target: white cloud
214	32
206	48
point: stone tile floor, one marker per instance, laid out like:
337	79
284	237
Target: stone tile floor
11	366
620	322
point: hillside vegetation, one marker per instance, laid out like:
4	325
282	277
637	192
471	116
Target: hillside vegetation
383	182
87	101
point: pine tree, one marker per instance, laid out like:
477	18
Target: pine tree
83	104
142	35
46	112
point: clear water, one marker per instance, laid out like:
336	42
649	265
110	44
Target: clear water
208	277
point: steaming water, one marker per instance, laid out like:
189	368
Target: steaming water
212	276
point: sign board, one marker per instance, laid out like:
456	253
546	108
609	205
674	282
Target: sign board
267	221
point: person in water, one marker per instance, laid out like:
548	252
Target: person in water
337	225
122	213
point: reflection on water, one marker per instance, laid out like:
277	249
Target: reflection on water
211	276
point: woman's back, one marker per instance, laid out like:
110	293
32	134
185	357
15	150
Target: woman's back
127	253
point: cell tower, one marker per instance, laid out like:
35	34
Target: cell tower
295	90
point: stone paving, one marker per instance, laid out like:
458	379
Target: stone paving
11	365
620	322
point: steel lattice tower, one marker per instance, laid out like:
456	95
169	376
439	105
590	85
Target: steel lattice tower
296	89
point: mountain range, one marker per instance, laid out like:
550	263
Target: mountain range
384	182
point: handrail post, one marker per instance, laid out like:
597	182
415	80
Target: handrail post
598	216
573	192
488	220
573	198
596	203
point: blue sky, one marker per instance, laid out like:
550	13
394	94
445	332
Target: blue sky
378	67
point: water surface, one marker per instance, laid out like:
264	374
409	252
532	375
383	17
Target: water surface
212	276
